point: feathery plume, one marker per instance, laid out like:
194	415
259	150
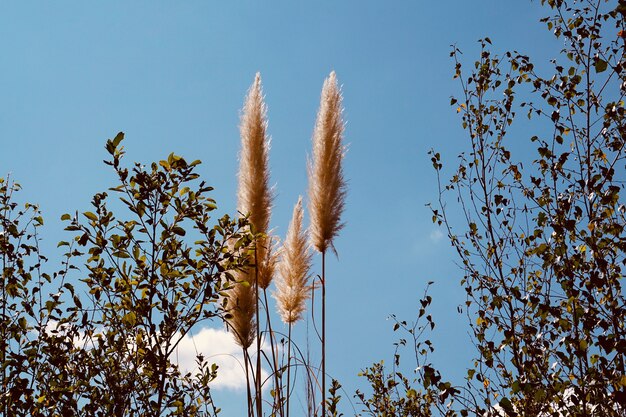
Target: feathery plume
254	199
241	320
327	188
254	195
292	286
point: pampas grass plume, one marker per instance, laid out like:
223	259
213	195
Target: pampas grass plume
254	198
241	321
292	286
255	195
327	187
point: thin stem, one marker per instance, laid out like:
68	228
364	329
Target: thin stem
310	392
288	366
324	334
246	359
277	386
259	399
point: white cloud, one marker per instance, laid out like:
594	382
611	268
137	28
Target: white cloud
217	346
55	328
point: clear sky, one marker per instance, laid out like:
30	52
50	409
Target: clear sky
173	75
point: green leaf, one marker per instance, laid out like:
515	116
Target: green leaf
83	239
90	215
130	319
23	323
165	165
505	403
118	138
516	387
179	230
600	65
66	217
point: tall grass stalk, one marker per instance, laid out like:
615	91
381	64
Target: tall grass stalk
288	368
267	268
246	360
278	395
258	385
327	189
255	199
292	286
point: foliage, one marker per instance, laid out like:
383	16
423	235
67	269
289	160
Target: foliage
543	241
147	284
333	399
396	393
22	312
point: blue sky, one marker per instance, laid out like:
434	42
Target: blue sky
173	75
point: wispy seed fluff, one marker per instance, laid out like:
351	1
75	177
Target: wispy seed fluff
292	286
254	198
242	309
255	195
327	188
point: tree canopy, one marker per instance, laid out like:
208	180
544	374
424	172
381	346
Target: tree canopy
542	242
153	264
